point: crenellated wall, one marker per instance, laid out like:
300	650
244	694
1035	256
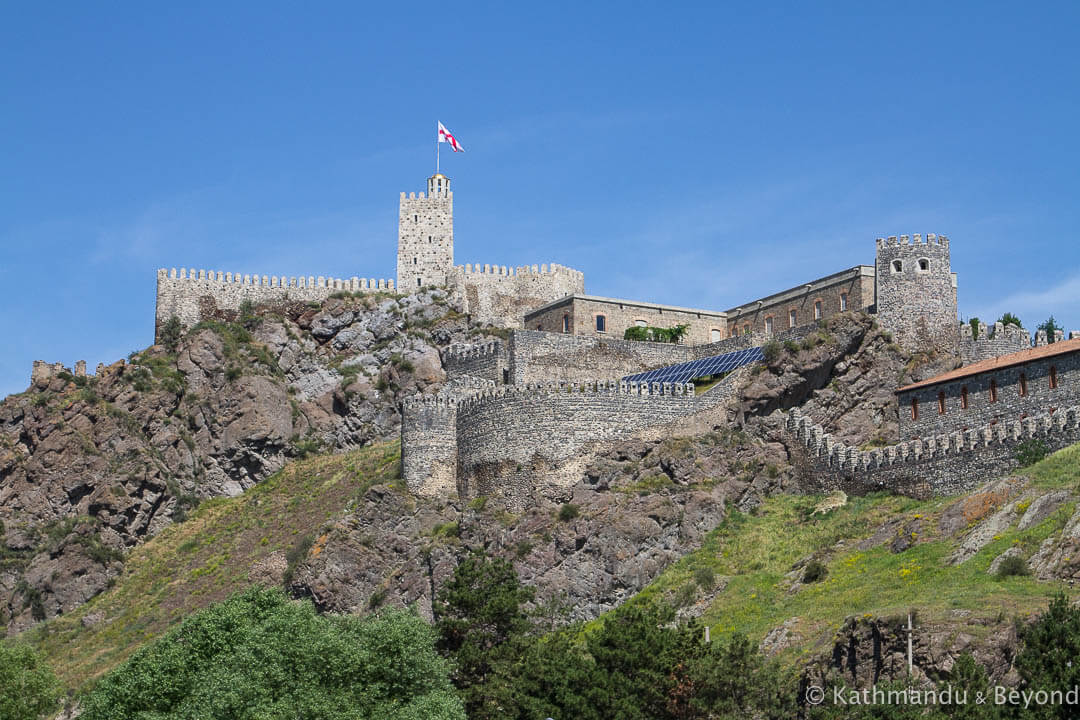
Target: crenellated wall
483	360
538	356
500	296
191	295
1004	340
935	465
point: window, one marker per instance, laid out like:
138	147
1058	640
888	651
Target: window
792	317
993	390
716	335
429	238
416	218
641	323
414	261
566	323
768	325
539	326
843	302
914	408
941	402
817	309
963	398
601	323
417	282
924	265
1023	384
1053	377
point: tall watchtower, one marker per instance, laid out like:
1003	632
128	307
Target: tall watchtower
916	292
426	236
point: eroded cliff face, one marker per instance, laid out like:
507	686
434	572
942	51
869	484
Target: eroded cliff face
92	466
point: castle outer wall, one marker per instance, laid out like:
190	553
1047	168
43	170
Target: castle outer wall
848	290
192	296
501	296
578	314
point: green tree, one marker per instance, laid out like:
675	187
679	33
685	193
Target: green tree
482	625
974	323
968	681
259	655
1010	319
171	332
1050	326
1048	660
28	687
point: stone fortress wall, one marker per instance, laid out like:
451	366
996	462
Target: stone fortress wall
193	295
578	314
1005	339
501	296
939	464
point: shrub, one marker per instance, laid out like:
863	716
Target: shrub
771	350
814	572
1031	451
705	578
170	333
1012	566
974	323
296	555
568	512
791	346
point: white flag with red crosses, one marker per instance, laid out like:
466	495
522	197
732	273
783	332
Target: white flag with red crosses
445	136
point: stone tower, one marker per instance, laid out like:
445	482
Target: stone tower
916	292
426	236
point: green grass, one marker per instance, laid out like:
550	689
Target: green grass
205	559
755	555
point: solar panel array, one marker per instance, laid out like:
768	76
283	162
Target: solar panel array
685	372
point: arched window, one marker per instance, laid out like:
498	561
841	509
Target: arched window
769	325
924	265
897	266
539	326
817	309
843	302
964	398
716	335
601	323
993	390
941	402
914	408
1023	384
641	323
566	323
1053	377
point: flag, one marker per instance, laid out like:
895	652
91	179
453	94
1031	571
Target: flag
446	137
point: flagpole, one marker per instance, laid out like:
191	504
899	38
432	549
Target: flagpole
437	143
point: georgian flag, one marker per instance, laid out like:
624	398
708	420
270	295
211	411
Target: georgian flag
446	137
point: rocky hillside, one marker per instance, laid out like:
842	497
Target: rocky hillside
89	467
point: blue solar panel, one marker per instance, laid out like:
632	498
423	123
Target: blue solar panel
685	372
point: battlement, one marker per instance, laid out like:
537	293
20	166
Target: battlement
912	242
1005	339
445	195
471	269
430	402
947	462
353	284
588	387
460	351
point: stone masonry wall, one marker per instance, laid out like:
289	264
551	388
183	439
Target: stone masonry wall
1010	404
536	356
501	296
856	283
917	302
486	361
936	465
621	314
189	295
1005	339
514	438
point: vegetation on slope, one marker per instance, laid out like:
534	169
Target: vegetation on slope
750	574
225	545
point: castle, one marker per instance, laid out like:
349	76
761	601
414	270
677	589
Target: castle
520	411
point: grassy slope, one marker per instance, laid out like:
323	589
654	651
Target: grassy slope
754	553
208	557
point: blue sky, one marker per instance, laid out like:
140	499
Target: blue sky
693	154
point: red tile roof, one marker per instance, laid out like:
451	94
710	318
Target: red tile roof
1004	361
